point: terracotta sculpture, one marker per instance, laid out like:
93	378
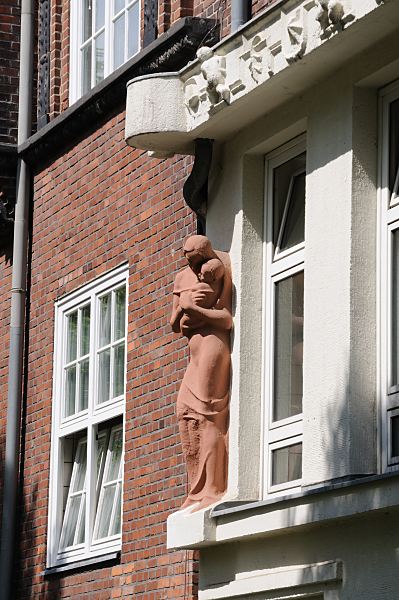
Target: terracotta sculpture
202	313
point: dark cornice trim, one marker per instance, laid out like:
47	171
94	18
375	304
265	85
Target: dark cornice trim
170	52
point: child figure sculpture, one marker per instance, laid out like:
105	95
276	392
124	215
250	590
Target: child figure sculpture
202	313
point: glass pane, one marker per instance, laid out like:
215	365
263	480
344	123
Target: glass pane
99	42
84	385
106	511
286	464
69	527
103	376
395	309
119	370
80	468
288	347
85	330
87	19
133	30
70	391
105	320
393	144
86	69
72	336
101	440
115	456
282	181
118	5
100	14
120	303
294	227
81	532
119	41
116	525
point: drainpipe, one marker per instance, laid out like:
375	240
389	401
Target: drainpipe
239	13
18	297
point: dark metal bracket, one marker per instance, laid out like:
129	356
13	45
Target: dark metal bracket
195	189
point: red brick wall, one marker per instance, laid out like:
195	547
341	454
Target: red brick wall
98	205
9	70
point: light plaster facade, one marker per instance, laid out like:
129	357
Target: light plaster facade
294	74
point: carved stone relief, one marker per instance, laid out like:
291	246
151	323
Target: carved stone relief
296	36
213	69
333	15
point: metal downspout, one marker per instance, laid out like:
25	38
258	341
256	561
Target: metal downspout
239	13
18	297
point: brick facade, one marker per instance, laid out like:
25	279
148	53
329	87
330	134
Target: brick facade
96	206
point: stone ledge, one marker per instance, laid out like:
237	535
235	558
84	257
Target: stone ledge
278	516
269	580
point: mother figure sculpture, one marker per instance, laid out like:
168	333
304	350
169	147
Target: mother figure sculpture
202	313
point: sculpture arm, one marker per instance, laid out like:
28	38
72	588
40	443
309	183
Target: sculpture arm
217	317
177	313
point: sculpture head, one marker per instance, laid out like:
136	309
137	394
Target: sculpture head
204	53
197	249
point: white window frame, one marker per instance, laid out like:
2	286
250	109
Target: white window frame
76	37
388	223
289	431
85	423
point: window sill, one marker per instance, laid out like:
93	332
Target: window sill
234	521
87	563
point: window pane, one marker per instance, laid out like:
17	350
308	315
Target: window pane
100	13
103	376
85	330
72	336
120	303
119	41
133	30
70	391
395	309
87	19
84	385
105	320
80	538
118	5
119	370
101	440
115	458
287	464
288	349
294	227
282	185
86	69
395	436
116	525
106	511
99	42
69	528
80	468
